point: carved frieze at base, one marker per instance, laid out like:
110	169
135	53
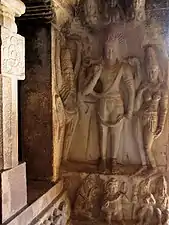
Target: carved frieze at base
109	199
58	213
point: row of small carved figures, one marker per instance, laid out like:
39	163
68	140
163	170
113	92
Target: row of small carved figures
113	204
97	14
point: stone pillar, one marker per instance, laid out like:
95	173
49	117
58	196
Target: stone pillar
36	92
39	142
12	67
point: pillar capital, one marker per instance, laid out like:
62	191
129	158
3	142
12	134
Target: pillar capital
15	6
8	11
12	69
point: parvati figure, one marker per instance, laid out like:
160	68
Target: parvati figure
152	104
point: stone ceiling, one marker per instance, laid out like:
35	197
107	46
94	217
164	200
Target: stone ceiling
47	9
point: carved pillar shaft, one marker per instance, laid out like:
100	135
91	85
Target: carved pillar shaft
12	69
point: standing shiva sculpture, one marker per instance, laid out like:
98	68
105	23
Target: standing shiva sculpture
112	106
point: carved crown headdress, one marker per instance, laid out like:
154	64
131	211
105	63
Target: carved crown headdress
151	55
113	37
156	57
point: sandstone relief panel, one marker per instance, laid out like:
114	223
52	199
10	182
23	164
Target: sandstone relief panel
112	88
107	199
111	99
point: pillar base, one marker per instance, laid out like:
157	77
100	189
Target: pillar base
13	191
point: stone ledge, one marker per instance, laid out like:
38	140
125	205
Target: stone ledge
31	212
58	212
13	191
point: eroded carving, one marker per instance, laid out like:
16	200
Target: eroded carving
96	15
139	10
162	201
88	198
93	15
113	201
13	55
141	201
143	211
